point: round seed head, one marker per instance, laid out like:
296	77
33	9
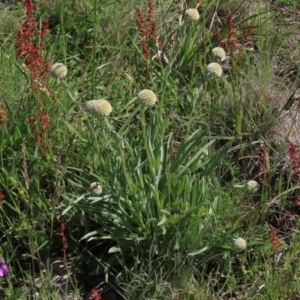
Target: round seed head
98	107
252	186
147	97
239	244
215	69
59	70
193	14
21	192
219	53
95	189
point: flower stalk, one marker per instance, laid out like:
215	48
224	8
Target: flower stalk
264	169
146	26
62	229
30	44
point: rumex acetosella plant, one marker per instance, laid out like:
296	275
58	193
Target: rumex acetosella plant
233	44
3	114
147	28
30	44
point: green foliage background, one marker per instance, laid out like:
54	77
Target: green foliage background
173	175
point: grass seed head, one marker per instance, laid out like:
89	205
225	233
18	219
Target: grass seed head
239	244
215	69
193	14
219	53
95	189
98	107
59	70
147	97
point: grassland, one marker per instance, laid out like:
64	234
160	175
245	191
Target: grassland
190	191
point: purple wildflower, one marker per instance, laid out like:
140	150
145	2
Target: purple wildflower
3	268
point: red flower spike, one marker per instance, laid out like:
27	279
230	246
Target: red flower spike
286	215
2	197
31	42
29	7
147	28
230	45
294	156
246	37
31	120
30	46
274	239
95	295
61	233
265	165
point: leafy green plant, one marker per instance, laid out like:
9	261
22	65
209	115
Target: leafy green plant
173	170
159	203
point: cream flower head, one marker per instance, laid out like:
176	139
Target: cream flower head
98	107
219	53
215	69
239	244
59	70
147	97
193	14
95	189
252	186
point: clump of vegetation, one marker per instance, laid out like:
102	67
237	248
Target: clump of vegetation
168	186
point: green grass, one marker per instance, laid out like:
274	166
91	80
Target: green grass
173	175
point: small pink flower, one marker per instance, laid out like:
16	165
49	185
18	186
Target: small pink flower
3	268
